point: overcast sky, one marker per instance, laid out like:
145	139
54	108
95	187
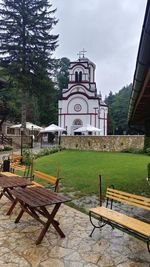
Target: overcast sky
109	30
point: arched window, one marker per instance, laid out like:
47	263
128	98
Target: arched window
76	77
80	76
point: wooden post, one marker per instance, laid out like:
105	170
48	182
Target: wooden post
100	190
31	169
41	139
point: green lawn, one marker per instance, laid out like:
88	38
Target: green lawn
80	170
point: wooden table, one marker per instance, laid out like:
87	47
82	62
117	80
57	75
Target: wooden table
8	183
34	201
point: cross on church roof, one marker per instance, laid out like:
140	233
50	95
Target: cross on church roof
81	53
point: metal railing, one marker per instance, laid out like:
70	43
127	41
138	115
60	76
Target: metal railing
4	140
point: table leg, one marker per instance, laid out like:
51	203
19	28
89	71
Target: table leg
56	226
3	193
12	207
7	193
47	224
20	213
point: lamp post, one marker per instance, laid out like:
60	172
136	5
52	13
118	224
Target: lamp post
21	131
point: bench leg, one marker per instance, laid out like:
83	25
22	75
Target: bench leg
148	246
101	224
92	231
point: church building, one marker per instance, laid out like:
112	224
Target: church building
80	104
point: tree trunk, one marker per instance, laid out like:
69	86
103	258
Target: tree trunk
3	119
24	110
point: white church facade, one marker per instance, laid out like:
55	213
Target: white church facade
80	104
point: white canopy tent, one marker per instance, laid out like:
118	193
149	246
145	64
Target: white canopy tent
29	126
52	128
87	128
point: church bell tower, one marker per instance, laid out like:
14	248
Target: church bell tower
80	103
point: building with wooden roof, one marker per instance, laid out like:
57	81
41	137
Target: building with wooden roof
139	107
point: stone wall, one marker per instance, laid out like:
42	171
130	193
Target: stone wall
16	140
103	143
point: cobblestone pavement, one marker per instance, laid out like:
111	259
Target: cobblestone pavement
108	248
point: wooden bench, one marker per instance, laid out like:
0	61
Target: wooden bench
15	158
17	165
52	181
115	219
27	170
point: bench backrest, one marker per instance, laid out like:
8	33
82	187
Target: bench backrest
127	198
50	179
27	169
15	158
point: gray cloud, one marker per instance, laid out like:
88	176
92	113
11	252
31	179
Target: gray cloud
110	32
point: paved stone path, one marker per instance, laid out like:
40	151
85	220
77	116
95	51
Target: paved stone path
36	149
108	248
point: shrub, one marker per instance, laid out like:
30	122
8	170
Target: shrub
146	143
148	170
5	148
47	151
27	156
132	150
148	151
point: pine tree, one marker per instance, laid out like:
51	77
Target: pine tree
26	42
63	73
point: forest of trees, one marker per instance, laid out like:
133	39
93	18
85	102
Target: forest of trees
118	111
42	104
